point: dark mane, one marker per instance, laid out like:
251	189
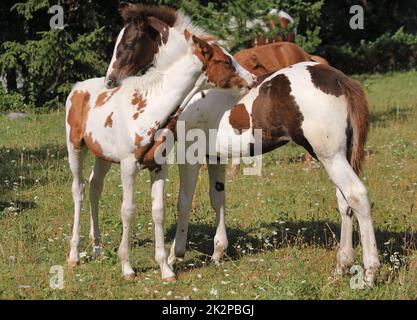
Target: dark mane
133	12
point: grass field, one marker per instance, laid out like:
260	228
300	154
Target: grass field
283	228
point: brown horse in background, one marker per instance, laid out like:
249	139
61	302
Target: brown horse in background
273	57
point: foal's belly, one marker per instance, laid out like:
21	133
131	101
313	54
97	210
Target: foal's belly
106	136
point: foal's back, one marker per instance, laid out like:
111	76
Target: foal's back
271	57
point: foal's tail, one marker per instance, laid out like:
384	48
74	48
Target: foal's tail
358	115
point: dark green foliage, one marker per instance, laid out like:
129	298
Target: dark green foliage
38	66
51	64
216	18
13	101
390	51
387	42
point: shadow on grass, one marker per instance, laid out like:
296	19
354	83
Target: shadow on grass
24	169
17	206
21	166
269	237
399	114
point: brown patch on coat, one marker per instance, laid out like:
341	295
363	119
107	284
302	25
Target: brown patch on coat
151	131
239	118
140	150
138	101
277	114
149	158
187	34
327	79
77	117
93	145
138	147
135	115
109	121
105	96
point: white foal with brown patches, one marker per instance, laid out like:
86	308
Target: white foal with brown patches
316	106
119	125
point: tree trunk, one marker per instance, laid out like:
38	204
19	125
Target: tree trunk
11	80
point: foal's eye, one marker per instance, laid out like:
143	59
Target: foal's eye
228	61
129	45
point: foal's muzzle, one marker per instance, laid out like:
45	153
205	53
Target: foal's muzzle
253	83
111	82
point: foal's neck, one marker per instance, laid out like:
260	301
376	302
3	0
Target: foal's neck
175	82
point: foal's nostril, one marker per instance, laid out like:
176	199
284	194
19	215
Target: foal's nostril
253	83
111	83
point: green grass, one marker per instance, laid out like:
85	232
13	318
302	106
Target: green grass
283	228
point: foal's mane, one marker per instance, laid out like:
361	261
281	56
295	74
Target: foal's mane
134	12
172	17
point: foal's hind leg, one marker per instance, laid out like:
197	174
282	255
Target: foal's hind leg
75	159
217	174
101	168
356	196
157	186
345	257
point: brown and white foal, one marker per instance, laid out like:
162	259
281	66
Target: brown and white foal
314	105
119	125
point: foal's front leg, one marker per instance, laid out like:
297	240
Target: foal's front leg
128	173
75	159
158	214
188	181
217	173
100	170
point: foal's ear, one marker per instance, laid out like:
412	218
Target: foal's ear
202	49
159	26
127	12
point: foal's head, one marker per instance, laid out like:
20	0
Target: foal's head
145	30
221	70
